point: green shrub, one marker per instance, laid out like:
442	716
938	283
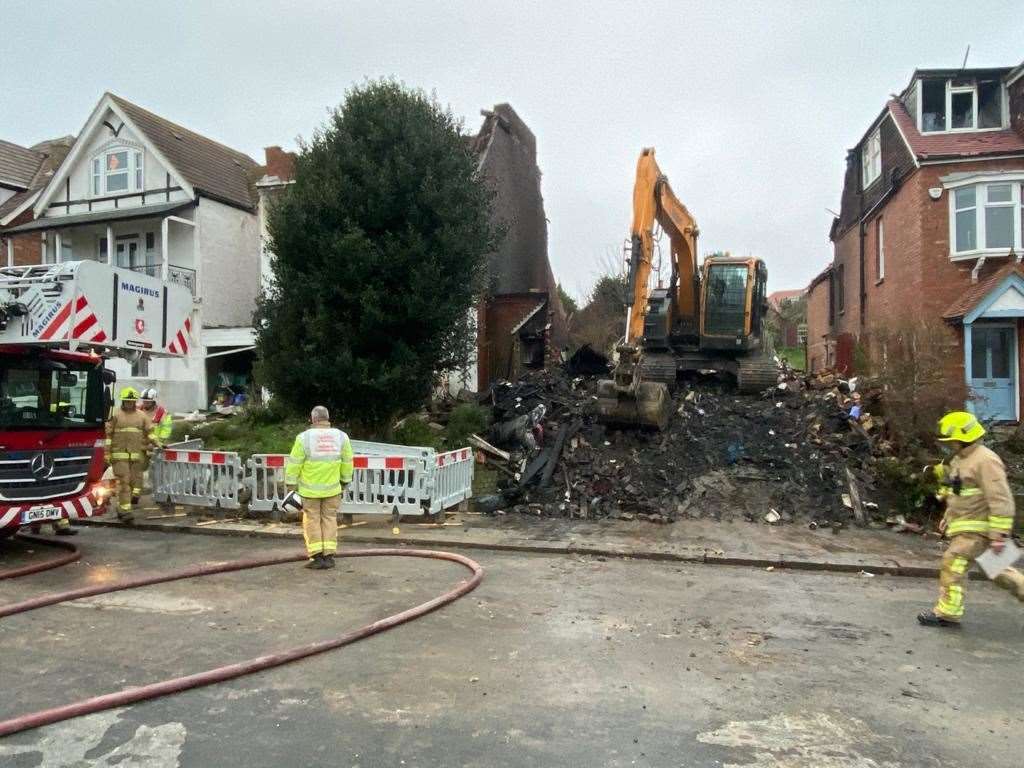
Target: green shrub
465	420
415	431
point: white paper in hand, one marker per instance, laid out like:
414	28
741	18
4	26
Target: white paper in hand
994	564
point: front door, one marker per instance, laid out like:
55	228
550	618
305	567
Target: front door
993	371
127	253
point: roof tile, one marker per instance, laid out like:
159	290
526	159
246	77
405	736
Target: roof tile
19	165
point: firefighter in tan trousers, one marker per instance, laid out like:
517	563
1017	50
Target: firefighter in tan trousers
979	515
320	466
129	435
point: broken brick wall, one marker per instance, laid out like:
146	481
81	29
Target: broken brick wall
496	344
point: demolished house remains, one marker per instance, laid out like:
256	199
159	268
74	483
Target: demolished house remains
521	324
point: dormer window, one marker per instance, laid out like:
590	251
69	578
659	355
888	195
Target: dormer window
949	105
871	159
117	171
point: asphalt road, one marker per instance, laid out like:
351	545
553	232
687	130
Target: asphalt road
553	661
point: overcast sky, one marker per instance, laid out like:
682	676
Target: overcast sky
751	106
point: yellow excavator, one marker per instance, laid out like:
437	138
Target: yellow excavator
711	319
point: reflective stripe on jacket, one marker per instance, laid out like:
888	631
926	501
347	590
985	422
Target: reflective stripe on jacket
984	504
320	461
128	435
162	424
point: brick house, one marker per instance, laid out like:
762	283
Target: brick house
930	227
788	331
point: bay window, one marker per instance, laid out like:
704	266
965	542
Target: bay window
987	217
116	171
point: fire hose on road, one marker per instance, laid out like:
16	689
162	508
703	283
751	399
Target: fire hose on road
72	555
230	671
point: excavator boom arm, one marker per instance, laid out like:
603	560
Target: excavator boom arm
654	201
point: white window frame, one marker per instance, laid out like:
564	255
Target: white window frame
136	171
981	184
880	245
871	159
950	90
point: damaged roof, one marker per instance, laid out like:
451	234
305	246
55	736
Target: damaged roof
507	152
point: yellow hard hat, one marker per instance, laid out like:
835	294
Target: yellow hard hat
129	393
961	426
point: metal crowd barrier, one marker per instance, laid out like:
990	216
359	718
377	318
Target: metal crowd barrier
387	479
197	478
452	480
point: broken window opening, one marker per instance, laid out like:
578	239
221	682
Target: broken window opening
961	108
933	105
990	104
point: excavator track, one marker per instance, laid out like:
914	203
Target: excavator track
756	374
659	368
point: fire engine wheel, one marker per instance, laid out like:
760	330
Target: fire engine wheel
231	671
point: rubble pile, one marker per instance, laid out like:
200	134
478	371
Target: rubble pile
791	453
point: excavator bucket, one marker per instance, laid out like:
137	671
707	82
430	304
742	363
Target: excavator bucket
648	406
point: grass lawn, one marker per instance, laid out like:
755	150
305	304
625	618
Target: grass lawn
795	356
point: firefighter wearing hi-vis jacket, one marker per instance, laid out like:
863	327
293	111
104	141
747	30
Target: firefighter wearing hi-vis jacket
979	515
320	466
162	424
129	435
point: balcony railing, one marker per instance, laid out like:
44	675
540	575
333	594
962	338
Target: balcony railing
177	275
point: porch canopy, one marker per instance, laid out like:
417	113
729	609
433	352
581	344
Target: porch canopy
990	312
100	217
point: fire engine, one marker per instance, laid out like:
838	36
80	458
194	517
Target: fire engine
58	323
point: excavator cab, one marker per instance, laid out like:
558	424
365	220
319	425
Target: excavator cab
733	298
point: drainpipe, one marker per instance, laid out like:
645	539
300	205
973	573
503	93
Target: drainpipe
862	233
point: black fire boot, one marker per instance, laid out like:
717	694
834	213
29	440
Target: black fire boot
328	561
316	563
932	619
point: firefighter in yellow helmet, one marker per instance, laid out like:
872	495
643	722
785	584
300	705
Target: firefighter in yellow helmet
979	515
129	434
320	466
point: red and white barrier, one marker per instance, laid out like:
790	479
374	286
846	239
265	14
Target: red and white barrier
198	457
